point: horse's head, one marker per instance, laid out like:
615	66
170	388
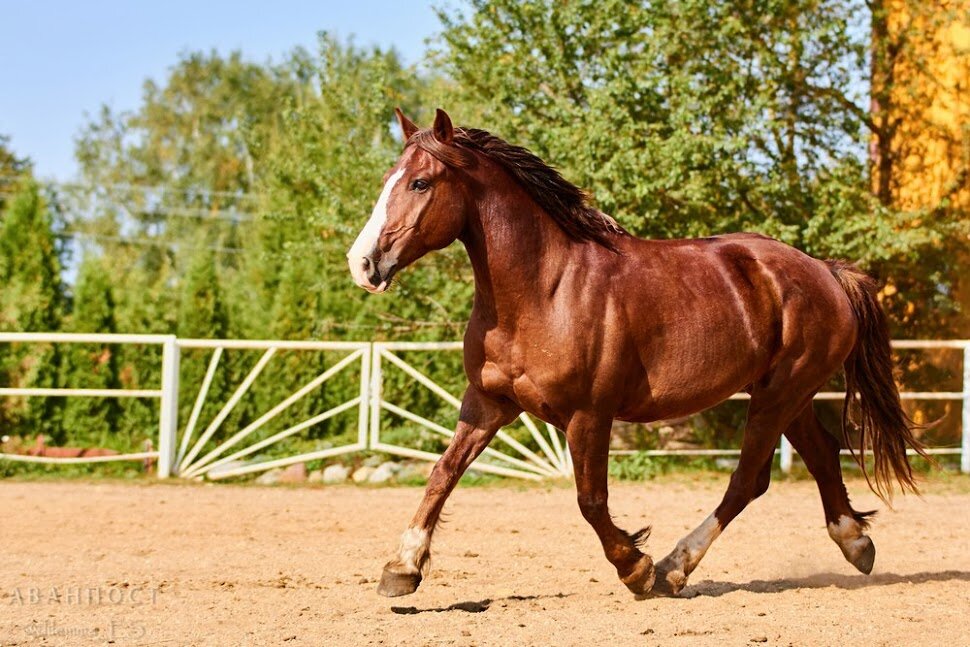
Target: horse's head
421	208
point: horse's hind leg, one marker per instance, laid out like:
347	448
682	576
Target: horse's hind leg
768	415
589	444
820	452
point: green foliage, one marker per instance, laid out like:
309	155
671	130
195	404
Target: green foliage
13	171
92	421
637	467
681	118
687	118
30	267
32	299
323	173
201	311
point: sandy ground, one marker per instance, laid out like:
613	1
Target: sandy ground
232	565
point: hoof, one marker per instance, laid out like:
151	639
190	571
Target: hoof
671	579
864	555
641	579
396	584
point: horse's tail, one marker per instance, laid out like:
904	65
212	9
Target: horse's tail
871	391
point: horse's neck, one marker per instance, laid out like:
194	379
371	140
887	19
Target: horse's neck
517	253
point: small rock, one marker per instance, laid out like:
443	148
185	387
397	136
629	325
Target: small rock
335	473
272	477
381	474
316	476
414	470
726	463
295	473
362	474
759	639
373	461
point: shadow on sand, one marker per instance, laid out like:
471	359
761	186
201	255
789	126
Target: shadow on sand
709	588
475	607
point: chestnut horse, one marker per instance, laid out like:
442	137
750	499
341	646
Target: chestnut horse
579	323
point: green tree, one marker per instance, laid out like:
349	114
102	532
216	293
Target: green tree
32	300
322	177
92	421
692	117
13	170
167	185
338	132
202	312
176	176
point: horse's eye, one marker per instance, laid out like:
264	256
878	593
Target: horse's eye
419	185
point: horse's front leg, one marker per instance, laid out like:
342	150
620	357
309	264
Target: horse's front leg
481	417
588	436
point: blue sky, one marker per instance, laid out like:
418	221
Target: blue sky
59	60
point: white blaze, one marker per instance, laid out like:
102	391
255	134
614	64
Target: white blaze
367	239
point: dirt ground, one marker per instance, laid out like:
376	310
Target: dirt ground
236	565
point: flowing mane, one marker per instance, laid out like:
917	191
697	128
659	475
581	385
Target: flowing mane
566	204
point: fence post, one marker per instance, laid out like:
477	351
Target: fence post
168	416
786	456
363	409
376	393
965	445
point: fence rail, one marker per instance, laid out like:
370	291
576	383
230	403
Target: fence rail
180	456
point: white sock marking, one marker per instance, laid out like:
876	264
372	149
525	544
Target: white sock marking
413	551
698	541
845	532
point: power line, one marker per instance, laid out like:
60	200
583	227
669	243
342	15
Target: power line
148	242
142	187
230	213
180	212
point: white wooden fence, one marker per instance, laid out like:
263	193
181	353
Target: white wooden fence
178	452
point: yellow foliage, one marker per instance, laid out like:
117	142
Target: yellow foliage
931	98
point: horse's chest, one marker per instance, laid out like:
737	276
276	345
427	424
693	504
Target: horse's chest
535	383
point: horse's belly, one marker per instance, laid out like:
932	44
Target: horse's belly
677	386
676	405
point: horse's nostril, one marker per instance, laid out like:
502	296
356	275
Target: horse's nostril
366	263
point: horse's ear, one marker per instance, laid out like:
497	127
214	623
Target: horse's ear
407	126
443	131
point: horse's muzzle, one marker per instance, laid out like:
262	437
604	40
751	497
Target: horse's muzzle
372	275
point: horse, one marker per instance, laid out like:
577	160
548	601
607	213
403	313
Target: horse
579	323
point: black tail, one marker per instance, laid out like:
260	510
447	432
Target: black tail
871	391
